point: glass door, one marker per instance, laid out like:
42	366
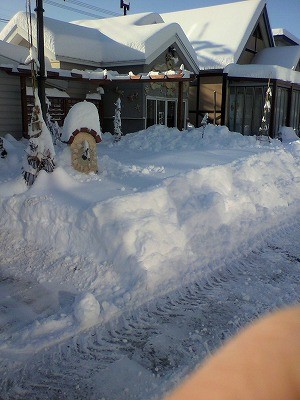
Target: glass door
151	113
161	112
164	112
171	114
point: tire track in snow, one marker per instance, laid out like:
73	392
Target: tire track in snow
166	338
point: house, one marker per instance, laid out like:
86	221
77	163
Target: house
237	57
10	98
16	94
77	57
229	48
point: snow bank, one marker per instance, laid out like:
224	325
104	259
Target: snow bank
152	230
155	139
287	134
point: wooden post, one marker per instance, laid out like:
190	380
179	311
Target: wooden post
289	106
215	107
272	132
24	106
180	123
224	100
198	101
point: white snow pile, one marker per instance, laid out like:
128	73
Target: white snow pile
165	208
82	115
287	134
86	309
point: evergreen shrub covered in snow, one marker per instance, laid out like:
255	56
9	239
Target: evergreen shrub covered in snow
40	151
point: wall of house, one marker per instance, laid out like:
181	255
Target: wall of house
210	100
77	90
131	95
134	95
10	106
246	105
245	108
295	111
164	95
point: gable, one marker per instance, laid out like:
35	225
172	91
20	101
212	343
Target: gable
259	39
10	53
220	33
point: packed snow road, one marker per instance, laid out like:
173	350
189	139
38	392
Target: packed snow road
145	352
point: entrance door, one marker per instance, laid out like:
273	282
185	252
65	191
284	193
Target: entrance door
163	112
171	113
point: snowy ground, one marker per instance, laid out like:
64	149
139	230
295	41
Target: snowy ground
167	209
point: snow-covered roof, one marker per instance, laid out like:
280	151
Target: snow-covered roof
287	34
283	56
218	33
210	37
141	19
61	38
130	33
115	41
11	53
262	71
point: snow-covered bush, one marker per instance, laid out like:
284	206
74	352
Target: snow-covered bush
3	152
40	151
117	120
264	126
52	125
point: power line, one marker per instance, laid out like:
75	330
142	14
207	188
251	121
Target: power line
76	10
4	20
92	7
65	7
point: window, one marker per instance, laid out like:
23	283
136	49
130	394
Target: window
259	101
246	109
151	112
281	108
163	112
247	123
171	113
295	115
239	109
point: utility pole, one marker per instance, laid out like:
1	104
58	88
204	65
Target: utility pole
41	78
125	5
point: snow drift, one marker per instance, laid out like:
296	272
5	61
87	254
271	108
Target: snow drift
176	224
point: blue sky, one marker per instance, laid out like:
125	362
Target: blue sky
282	13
